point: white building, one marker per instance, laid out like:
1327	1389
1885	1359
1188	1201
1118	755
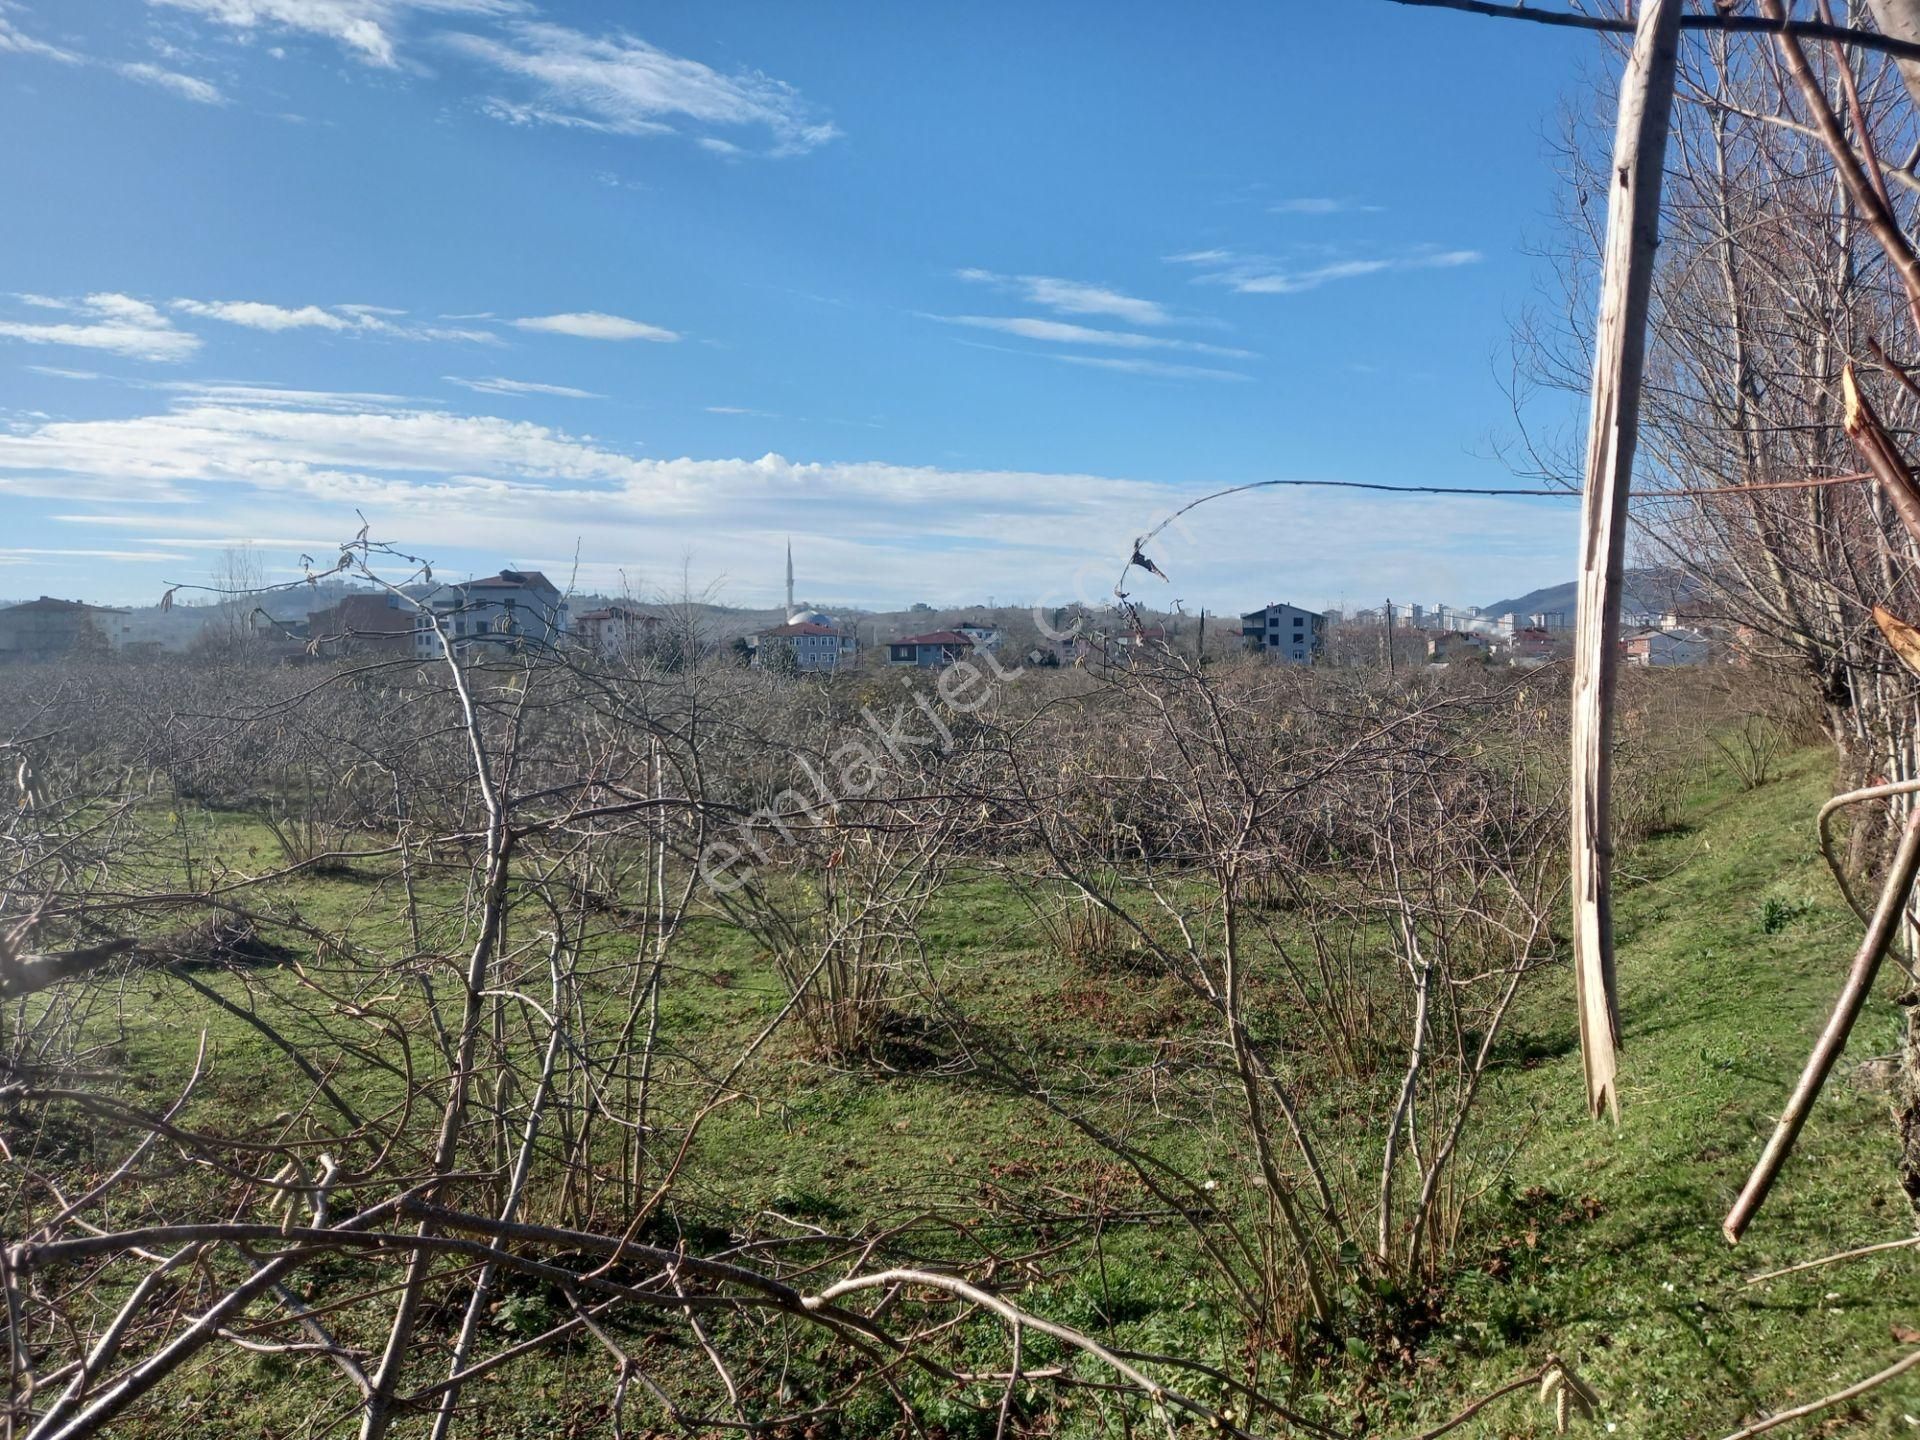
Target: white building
508	610
1666	647
1286	632
814	640
615	631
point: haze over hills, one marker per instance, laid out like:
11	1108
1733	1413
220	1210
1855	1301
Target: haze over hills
1648	590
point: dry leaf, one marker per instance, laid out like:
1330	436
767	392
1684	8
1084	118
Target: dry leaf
1904	639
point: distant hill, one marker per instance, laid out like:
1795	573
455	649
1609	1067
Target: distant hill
1647	591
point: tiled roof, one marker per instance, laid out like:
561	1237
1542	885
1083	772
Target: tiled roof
937	637
48	603
800	630
512	580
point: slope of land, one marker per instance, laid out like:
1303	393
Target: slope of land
1733	945
1595	1243
1649	591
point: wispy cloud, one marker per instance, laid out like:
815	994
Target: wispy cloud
118	324
1322	205
1061	332
593	325
1265	275
1074	297
216	392
494	385
60	372
15	41
187	87
340	319
258	315
367	29
1150	367
12	556
741	410
620	84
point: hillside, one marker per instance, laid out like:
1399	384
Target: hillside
1647	590
1600	1244
1731	939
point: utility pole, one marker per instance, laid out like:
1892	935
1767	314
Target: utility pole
1389	636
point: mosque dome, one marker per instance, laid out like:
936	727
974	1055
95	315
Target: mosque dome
812	617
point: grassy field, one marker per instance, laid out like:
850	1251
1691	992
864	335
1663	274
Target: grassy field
1599	1244
1733	944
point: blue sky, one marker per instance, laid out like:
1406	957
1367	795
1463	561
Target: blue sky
960	297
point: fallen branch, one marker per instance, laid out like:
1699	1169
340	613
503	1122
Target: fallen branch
1887	916
28	974
1837	1258
1827	1402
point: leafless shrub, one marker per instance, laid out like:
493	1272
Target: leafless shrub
1414	841
846	951
1079	929
479	1115
1753	747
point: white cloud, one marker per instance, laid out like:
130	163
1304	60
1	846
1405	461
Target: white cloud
341	319
593	325
124	308
496	386
1150	367
367	29
622	85
14	41
1061	332
1074	297
1321	205
118	324
515	113
458	334
227	393
12	556
60	372
187	87
476	491
257	315
1265	275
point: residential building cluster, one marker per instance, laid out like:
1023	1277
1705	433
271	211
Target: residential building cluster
519	608
1450	634
50	629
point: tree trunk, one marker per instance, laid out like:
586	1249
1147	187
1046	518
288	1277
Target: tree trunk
1633	232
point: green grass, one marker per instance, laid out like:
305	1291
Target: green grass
1721	1001
1598	1243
